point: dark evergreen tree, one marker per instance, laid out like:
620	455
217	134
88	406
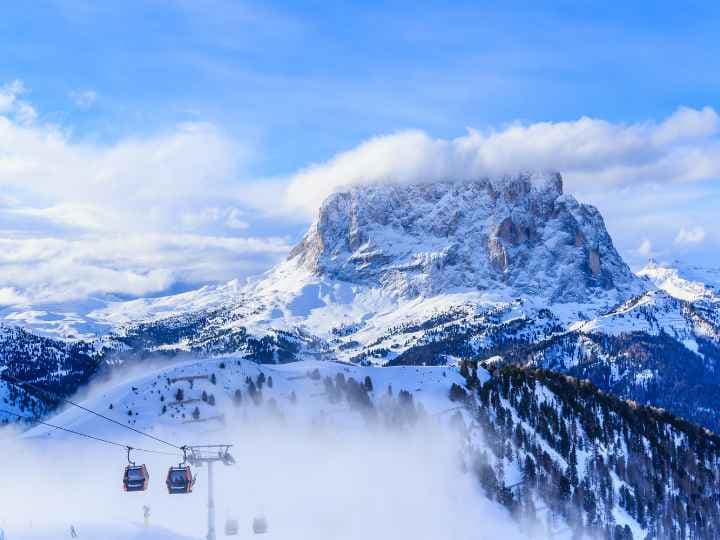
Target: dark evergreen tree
457	393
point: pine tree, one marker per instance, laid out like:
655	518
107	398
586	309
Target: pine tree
572	467
529	471
564	488
457	393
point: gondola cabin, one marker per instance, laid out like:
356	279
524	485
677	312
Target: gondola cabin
260	525
136	478
179	480
231	527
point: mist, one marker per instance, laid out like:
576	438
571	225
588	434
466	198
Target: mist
310	483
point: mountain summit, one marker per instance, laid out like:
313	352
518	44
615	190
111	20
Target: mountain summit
515	232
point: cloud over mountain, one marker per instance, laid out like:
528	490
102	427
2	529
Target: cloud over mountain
139	214
590	153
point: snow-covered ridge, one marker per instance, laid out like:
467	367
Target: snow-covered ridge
687	282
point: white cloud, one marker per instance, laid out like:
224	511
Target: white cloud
228	217
692	235
134	216
687	123
11	104
150	177
591	153
84	99
55	269
234	219
140	214
10	296
645	248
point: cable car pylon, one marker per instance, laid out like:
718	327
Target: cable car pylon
210	454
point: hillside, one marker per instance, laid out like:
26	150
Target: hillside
559	455
554	446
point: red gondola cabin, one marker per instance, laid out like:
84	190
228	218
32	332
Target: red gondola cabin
179	480
136	478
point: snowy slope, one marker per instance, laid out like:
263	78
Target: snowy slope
96	531
139	402
687	282
320	463
97	316
655	313
595	458
572	436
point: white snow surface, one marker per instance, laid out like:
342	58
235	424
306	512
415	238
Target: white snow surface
113	530
141	395
684	281
97	316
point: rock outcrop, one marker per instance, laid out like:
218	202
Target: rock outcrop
518	232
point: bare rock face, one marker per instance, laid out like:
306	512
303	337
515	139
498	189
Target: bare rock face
594	263
519	232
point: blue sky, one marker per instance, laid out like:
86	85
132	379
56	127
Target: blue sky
261	91
308	79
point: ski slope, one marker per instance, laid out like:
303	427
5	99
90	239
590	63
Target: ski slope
138	400
96	531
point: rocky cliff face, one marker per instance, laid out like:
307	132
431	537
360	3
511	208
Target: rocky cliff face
518	232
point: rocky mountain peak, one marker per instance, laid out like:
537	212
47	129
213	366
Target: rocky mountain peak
517	233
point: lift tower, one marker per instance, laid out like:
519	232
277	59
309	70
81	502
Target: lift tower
210	454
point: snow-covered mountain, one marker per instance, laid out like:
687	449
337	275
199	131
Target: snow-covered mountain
518	234
688	282
696	285
436	300
424	274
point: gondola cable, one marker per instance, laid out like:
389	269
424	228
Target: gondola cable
179	479
5	375
93	437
